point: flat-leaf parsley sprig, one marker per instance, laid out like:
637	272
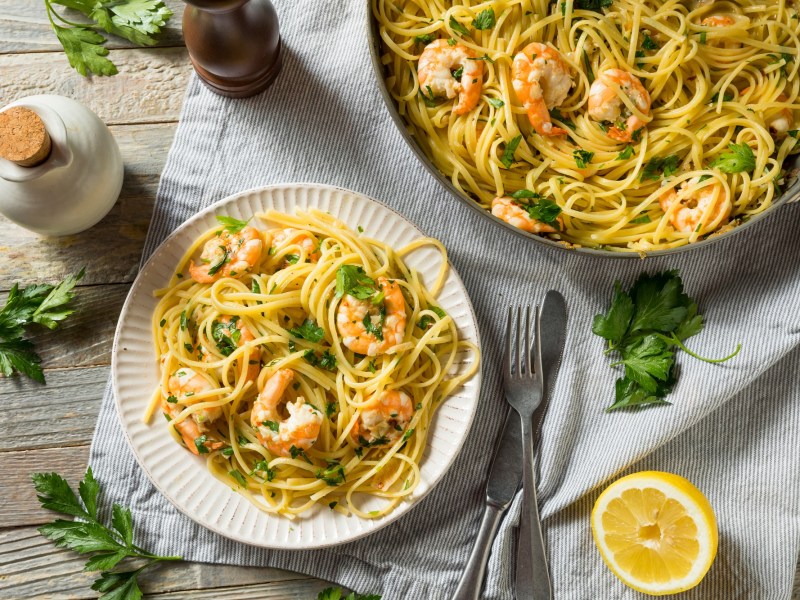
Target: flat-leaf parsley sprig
336	594
106	546
644	326
40	303
137	21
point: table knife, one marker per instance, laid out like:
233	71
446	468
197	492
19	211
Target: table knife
505	476
505	473
534	583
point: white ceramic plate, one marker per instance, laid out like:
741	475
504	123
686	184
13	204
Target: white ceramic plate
182	477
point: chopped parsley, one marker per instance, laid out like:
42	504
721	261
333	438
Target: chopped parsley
231	224
222	260
262	466
256	289
649	43
326	360
237	475
626	153
658	166
200	444
425	38
726	97
308	331
227	340
352	280
496	102
485	19
739	158
508	153
645	218
583	158
456	26
271	425
333	475
595	5
556	114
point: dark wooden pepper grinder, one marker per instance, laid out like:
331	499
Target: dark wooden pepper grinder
234	45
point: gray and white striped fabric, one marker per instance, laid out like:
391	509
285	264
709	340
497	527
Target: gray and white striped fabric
733	429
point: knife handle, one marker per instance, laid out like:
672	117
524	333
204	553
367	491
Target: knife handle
469	588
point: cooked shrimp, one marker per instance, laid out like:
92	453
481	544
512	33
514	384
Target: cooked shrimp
722	21
542	80
438	64
708	206
511	212
387	323
384	419
227	255
183	384
297	237
277	434
232	329
606	105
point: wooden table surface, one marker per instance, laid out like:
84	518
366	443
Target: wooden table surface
50	428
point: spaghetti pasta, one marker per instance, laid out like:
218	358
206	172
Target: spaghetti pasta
714	124
258	376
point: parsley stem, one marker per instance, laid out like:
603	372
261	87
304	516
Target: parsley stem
673	339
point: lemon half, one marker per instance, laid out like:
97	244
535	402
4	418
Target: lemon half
656	532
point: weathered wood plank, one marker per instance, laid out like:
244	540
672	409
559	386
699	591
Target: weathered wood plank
33	568
85	338
111	249
24	27
18	503
62	413
148	88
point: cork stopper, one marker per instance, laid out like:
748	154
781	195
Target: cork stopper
23	138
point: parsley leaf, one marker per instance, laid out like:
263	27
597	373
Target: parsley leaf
649	43
485	19
583	158
626	153
425	38
456	26
137	21
237	475
496	102
308	331
595	5
658	166
107	546
44	304
643	326
336	594
231	224
740	158
333	475
508	153
352	280
614	325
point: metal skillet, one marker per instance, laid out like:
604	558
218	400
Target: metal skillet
790	194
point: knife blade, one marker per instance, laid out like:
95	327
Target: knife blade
505	472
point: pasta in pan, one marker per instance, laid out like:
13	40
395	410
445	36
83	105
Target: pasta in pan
305	362
627	125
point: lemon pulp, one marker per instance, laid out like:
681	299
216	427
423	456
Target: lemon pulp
656	532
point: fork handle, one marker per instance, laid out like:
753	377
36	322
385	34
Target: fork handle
532	577
469	588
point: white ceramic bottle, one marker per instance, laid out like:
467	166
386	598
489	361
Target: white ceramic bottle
69	188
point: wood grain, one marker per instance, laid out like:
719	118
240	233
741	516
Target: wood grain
148	88
62	413
18	503
24	27
33	568
111	249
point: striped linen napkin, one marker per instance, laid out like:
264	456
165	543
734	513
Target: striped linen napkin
733	429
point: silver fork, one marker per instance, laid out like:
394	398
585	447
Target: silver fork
524	389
